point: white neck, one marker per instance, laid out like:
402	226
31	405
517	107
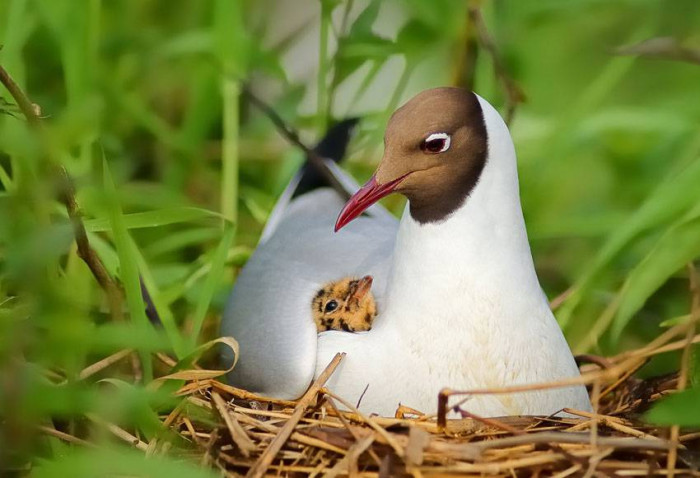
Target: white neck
475	257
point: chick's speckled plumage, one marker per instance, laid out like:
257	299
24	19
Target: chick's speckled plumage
346	304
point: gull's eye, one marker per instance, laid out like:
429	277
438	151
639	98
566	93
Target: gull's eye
331	306
436	143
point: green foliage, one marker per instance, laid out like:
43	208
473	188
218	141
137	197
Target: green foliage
118	461
160	217
128	272
678	246
678	409
176	173
211	284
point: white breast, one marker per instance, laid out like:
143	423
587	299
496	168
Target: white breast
464	310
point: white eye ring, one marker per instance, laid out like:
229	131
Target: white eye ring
436	143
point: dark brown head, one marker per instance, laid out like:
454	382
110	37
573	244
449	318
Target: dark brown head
435	149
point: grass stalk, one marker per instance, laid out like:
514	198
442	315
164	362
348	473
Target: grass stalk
166	316
128	267
323	66
230	90
218	261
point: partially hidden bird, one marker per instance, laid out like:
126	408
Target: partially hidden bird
459	304
345	304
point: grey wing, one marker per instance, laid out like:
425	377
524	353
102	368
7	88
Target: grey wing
269	311
277	350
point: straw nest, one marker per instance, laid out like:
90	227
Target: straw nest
255	436
239	433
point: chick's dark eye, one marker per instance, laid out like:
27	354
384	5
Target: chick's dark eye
331	306
436	143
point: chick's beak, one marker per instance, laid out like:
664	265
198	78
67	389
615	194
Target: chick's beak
367	195
363	287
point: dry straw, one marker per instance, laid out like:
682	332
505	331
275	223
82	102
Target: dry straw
311	437
240	433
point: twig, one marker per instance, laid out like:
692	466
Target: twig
514	94
556	302
265	460
238	434
692	325
492	422
235	392
464	71
595	401
362	395
601	362
167	423
685	360
293	137
67	196
104	363
376	427
28	108
611	423
348	464
296	436
119	432
566	437
65	436
342	419
663	48
624	377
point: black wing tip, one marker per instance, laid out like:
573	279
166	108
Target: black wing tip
334	143
332	146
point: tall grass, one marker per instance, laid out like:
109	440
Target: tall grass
175	173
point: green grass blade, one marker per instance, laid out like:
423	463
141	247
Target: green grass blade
229	155
166	316
179	240
232	48
323	66
157	218
6	181
218	261
129	273
236	256
680	245
677	247
106	253
118	461
678	409
670	200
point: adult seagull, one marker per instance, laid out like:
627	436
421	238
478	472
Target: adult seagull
459	301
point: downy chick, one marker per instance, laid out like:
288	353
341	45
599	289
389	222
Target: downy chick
346	304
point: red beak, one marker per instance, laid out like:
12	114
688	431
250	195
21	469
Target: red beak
367	195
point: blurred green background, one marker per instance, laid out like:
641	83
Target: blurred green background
176	172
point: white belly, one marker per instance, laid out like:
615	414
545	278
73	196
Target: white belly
390	371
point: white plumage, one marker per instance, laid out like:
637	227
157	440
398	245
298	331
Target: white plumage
459	302
269	311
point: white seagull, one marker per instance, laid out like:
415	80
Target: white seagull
459	302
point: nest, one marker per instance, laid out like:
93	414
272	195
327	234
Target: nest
254	436
240	433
